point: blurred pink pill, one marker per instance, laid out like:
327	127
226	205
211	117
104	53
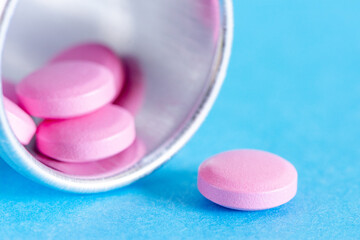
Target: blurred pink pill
9	91
66	89
210	10
247	180
132	95
91	137
98	53
21	123
103	168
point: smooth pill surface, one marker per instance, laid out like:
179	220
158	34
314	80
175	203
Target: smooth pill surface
247	180
20	122
101	168
98	53
66	89
91	137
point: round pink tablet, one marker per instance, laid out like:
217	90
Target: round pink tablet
103	168
9	91
21	123
98	53
247	180
66	89
132	95
91	137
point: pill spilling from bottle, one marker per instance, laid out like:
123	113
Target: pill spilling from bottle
87	109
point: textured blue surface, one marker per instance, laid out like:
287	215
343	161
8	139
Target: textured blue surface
293	88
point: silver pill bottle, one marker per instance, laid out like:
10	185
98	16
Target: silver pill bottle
181	46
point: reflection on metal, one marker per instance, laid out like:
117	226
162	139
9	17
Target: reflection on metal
181	46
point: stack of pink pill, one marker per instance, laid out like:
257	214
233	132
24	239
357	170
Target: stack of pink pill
87	107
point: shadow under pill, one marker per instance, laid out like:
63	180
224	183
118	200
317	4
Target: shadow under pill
176	187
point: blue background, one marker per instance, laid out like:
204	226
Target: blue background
293	88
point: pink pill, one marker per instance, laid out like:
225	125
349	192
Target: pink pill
98	53
247	180
102	168
91	137
21	123
132	95
66	89
9	91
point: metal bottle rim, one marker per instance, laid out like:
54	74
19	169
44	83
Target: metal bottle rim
23	162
